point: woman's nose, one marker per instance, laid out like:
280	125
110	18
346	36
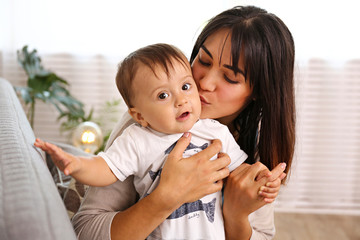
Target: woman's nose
207	82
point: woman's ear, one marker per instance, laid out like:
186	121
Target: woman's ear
136	115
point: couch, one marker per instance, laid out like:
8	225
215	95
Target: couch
30	203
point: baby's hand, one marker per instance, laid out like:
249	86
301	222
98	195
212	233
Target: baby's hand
66	162
270	191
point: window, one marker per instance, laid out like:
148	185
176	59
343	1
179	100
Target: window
84	40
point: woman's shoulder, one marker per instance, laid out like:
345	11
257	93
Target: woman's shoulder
124	122
211	129
212	125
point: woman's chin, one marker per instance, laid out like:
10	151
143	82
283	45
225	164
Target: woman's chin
205	115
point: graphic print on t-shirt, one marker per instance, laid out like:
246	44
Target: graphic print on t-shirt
189	147
187	208
198	205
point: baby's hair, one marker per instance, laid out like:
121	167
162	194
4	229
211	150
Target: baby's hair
151	56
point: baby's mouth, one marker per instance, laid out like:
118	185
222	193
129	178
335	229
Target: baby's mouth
183	116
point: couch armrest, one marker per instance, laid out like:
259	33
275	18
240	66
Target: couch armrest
30	205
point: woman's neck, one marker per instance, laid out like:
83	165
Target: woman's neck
229	122
233	130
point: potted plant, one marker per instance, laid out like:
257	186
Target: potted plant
48	87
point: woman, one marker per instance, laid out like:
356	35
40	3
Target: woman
243	64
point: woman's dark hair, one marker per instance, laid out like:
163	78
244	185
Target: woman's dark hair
268	49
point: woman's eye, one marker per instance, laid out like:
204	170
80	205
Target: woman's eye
229	80
203	63
186	87
163	96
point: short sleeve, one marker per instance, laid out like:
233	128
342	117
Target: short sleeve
122	156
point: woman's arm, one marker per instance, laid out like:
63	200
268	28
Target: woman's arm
241	198
182	180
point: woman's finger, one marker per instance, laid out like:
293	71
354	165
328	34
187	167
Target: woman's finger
277	172
256	169
243	167
216	186
213	149
220	174
180	147
264	173
221	162
282	176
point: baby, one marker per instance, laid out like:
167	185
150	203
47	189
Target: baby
157	85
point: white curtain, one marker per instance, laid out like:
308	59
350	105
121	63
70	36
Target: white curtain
83	40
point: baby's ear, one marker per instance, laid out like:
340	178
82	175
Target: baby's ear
136	115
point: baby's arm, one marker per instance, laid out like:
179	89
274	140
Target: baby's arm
92	171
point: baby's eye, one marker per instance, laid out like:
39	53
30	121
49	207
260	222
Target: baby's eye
186	87
163	96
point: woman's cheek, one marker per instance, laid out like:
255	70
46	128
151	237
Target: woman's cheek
196	72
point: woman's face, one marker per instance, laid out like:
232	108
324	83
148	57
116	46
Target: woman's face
224	93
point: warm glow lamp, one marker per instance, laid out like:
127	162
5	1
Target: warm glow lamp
88	137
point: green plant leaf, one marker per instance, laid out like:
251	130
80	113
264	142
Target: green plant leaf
25	93
50	88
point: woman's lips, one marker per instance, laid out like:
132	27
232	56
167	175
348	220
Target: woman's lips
203	101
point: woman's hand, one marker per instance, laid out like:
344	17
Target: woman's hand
252	186
188	179
245	192
182	180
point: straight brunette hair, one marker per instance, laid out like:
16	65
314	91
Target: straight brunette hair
266	127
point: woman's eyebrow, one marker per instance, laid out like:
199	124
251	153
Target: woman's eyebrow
207	51
235	69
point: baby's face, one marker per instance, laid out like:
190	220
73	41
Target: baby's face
166	104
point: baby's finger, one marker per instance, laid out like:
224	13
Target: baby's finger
268	195
269	200
269	189
40	144
274	184
51	148
70	168
67	171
